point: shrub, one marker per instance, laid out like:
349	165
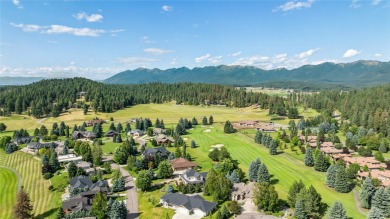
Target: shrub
47	175
51	187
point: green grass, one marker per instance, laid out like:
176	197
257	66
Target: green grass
8	190
45	202
147	209
285	167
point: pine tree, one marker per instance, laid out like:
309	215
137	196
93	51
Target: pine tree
320	163
204	120
228	128
367	192
331	175
118	139
72	170
299	211
169	189
253	169
313	202
309	160
337	211
263	174
23	208
60	213
224	212
342	183
273	148
375	213
193	145
294	190
171	156
53	162
382	147
233	177
119	128
99	206
211	120
112	127
381	201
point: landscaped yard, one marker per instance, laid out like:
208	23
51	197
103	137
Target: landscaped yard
45	202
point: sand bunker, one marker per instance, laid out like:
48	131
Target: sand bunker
203	126
207	130
217	146
185	139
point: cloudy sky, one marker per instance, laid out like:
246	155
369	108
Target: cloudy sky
100	38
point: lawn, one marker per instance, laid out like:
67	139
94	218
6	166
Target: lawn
146	207
8	191
45	202
285	167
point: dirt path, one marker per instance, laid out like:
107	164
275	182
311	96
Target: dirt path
41	120
356	196
17	174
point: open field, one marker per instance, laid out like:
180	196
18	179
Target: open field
269	91
8	190
285	167
45	202
169	112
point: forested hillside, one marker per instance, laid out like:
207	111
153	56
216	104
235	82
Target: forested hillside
360	73
51	97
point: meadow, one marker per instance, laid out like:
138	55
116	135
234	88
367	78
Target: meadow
8	190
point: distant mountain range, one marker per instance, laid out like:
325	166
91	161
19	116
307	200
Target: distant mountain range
357	73
18	80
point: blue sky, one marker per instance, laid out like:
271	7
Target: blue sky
97	39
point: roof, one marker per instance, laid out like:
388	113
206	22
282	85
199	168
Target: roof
159	130
249	122
85	134
160	150
327	144
182	163
38	145
242	188
68	157
23	139
382	175
81	201
80	182
189	202
112	132
191	176
137	131
331	150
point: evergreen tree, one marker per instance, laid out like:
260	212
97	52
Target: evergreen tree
265	197
194	121
72	170
309	160
253	169
228	128
99	206
337	211
204	120
381	201
331	175
53	162
119	128
23	208
263	174
118	139
118	185
169	189
165	169
258	137
60	213
233	177
367	192
342	183
382	147
273	148
294	190
193	145
320	163
299	210
211	120
171	156
112	127
128	127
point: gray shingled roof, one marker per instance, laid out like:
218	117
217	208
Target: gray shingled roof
152	151
189	202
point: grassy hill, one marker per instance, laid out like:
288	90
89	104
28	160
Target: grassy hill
355	73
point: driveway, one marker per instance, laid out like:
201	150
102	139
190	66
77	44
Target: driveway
181	215
249	211
131	190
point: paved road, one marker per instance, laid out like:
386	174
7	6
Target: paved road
131	190
17	174
357	202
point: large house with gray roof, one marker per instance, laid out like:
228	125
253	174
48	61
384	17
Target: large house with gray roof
84	183
83	134
188	204
150	152
190	176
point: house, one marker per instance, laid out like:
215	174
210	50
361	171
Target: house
158	131
370	162
180	164
310	139
33	146
79	202
162	151
68	158
136	133
242	191
83	134
187	204
95	121
22	140
331	150
381	175
248	123
266	127
111	133
86	166
190	176
84	183
163	139
337	157
327	144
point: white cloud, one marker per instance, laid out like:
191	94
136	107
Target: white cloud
215	59
157	51
236	54
294	5
17	4
253	60
377	55
136	61
167	8
61	29
350	53
202	58
174	61
355	4
146	39
375	2
95	73
307	53
88	17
